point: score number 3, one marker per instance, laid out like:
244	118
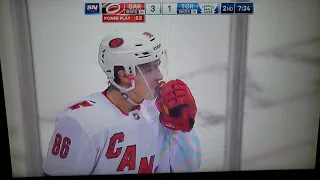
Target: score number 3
153	8
61	146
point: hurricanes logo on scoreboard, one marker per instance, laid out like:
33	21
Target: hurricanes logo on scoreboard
110	8
123	12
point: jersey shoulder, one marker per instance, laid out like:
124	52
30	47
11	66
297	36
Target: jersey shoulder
93	113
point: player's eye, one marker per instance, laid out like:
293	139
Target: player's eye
149	69
158	62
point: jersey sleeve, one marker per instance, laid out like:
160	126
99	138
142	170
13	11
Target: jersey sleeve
184	151
71	151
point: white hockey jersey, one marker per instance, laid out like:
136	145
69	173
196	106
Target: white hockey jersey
94	137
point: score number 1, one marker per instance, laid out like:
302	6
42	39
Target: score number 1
169	8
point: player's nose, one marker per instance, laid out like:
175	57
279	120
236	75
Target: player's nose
158	75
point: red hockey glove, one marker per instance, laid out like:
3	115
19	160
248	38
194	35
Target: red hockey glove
176	105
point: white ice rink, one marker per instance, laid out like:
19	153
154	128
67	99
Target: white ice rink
281	115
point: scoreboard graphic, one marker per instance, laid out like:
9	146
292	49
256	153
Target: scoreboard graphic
123	12
136	12
198	8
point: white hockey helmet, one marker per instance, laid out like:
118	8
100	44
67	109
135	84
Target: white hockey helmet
128	49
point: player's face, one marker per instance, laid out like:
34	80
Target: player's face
152	75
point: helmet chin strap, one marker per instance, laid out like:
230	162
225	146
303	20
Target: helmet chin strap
126	96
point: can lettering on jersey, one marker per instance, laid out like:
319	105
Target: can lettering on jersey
128	158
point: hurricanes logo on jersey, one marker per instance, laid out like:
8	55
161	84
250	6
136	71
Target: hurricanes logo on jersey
82	104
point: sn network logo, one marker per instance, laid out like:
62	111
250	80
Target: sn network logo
91	8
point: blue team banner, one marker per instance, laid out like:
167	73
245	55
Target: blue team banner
187	8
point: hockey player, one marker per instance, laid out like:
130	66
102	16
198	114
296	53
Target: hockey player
116	131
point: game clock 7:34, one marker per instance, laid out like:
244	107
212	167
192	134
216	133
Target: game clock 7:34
243	8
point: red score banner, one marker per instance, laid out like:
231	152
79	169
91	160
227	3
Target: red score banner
123	18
